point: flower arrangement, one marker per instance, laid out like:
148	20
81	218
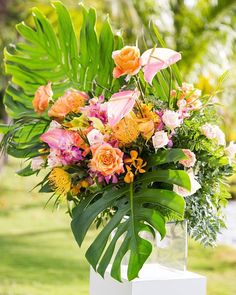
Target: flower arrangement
117	135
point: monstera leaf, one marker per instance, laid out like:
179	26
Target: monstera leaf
138	207
49	53
55	54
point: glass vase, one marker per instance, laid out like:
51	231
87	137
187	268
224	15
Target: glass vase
171	252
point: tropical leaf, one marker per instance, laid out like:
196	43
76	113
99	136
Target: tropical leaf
53	53
178	177
131	217
137	209
166	156
27	171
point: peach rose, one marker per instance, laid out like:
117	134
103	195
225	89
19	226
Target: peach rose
70	102
127	61
106	160
42	98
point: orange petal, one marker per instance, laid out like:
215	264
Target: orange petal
134	154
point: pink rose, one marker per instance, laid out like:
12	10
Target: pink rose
214	132
220	136
208	130
95	137
160	139
182	104
190	161
171	119
195	186
231	150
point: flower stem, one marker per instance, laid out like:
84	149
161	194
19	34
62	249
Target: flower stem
131	199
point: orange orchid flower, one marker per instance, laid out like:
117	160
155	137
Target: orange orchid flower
129	177
139	166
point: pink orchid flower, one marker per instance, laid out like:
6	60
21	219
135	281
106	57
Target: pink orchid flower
120	104
58	138
156	59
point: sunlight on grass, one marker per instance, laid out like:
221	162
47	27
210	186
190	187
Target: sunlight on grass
39	254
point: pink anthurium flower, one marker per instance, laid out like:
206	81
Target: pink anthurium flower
156	59
120	105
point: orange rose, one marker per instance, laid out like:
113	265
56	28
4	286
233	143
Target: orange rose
70	102
42	98
107	160
127	61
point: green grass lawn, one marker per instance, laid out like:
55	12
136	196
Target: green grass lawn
38	255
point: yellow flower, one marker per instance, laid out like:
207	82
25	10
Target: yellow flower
129	177
137	163
75	190
146	112
126	131
139	166
60	181
132	159
78	123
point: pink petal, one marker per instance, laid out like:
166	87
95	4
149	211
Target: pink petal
115	53
151	69
158	59
117	73
120	105
57	138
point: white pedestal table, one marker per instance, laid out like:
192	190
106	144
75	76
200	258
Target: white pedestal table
153	280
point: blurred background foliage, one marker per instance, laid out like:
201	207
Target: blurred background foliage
204	31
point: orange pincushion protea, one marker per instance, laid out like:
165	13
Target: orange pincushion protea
126	131
70	102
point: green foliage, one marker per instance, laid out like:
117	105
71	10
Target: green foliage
138	207
53	54
204	209
21	140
